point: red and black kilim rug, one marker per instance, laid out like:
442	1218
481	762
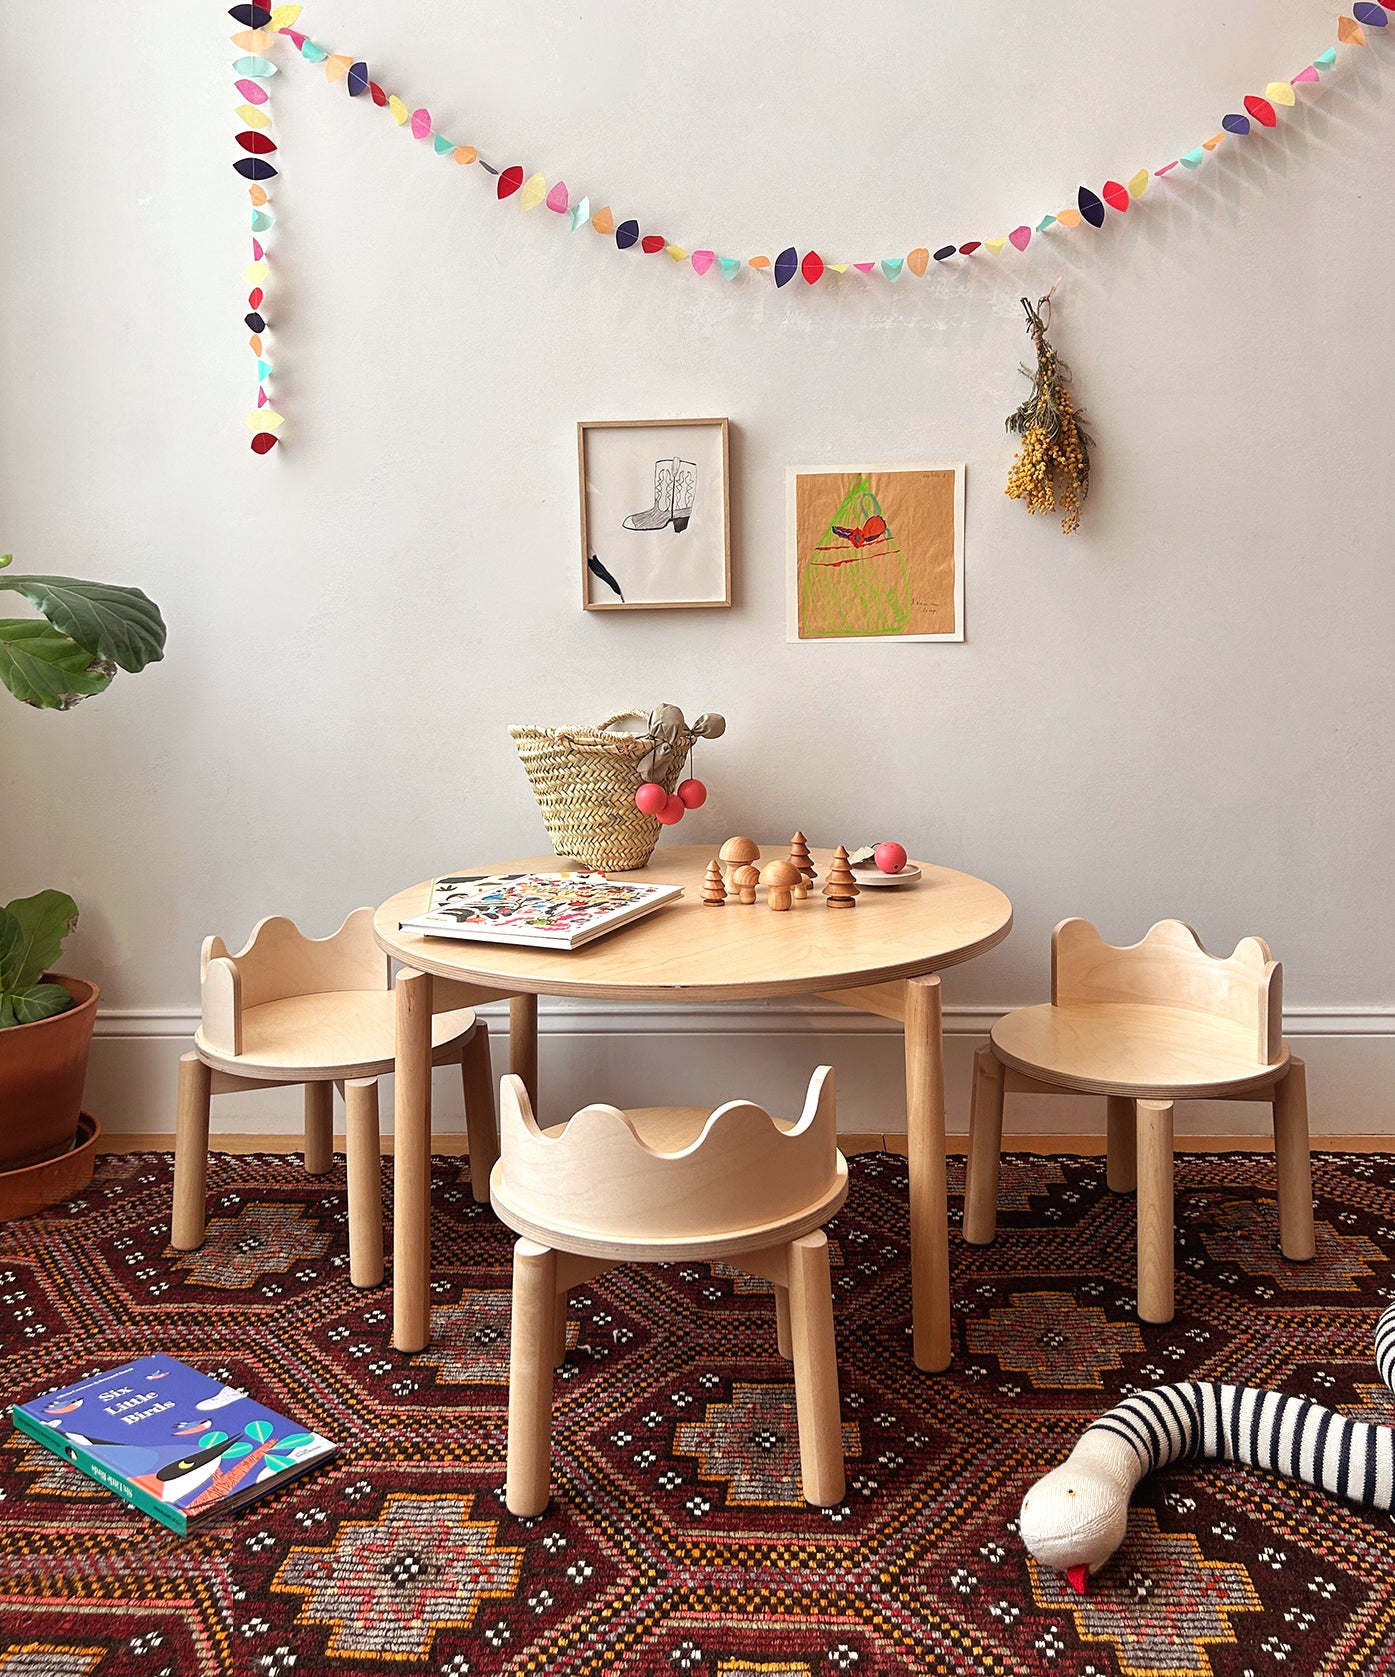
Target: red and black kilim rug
677	1542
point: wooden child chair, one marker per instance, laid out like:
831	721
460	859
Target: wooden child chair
670	1183
319	1011
1146	1025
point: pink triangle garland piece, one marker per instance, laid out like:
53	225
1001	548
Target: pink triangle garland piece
864	267
1308	75
1020	238
1167	168
421	124
296	39
557	199
702	260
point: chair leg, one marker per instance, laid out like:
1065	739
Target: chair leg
816	1370
1122	1145
985	1150
319	1128
1155	1217
1293	1163
481	1121
530	1377
191	1154
783	1341
363	1145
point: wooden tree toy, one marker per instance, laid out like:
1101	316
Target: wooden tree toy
779	880
737	853
800	857
841	888
744	881
714	890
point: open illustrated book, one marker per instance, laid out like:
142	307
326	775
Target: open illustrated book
542	910
177	1443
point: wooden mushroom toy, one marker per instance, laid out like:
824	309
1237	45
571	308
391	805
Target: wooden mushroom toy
779	880
737	853
744	881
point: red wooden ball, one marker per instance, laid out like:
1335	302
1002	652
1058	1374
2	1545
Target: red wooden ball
692	794
650	797
671	813
889	857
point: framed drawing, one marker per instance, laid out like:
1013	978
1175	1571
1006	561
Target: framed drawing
655	514
875	553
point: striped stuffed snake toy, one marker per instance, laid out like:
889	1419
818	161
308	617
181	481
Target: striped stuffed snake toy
1076	1516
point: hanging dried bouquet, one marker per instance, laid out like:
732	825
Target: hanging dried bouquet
1052	470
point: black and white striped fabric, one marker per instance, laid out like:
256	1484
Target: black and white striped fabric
1292	1436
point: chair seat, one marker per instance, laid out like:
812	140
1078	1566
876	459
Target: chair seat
336	1034
1123	1048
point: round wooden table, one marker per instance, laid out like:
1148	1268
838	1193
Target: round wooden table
881	957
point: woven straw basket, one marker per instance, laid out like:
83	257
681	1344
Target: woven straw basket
585	781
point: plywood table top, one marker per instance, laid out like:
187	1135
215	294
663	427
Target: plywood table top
688	951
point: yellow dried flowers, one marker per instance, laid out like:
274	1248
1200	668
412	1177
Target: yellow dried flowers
1052	470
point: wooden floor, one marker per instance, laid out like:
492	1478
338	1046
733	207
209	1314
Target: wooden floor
454	1145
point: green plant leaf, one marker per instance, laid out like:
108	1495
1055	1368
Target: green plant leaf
32	930
122	625
45	668
27	1007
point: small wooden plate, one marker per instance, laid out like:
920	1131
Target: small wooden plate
868	873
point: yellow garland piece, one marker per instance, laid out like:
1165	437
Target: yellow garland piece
1052	470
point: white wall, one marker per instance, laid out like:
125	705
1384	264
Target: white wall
1183	709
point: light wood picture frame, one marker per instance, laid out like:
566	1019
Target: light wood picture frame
655	514
874	553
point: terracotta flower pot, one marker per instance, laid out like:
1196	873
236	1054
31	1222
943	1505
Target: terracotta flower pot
42	1070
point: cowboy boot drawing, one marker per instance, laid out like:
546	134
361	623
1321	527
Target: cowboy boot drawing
661	513
684	492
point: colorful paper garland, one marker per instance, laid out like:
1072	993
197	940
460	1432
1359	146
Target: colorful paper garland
261	25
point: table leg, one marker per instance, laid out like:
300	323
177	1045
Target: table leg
411	1186
523	1043
925	1158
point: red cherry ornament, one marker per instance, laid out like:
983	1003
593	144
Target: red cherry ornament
889	857
650	798
692	794
671	813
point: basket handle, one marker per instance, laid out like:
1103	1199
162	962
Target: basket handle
605	748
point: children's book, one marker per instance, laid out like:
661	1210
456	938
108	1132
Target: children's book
544	910
179	1445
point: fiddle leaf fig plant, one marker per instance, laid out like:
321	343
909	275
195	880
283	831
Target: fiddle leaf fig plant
32	930
84	633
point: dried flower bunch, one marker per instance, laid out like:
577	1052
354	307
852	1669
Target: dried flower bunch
1052	470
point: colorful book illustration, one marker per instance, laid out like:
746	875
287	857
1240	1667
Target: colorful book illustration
177	1444
544	910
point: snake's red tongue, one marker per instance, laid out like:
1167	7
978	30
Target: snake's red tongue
1078	1577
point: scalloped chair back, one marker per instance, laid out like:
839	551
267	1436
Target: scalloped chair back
1171	968
1148	1024
667	1183
602	1180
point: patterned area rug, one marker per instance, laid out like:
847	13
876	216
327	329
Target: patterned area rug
677	1542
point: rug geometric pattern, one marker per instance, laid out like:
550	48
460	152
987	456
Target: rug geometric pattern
677	1541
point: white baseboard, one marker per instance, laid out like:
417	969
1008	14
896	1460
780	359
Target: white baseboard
648	1053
